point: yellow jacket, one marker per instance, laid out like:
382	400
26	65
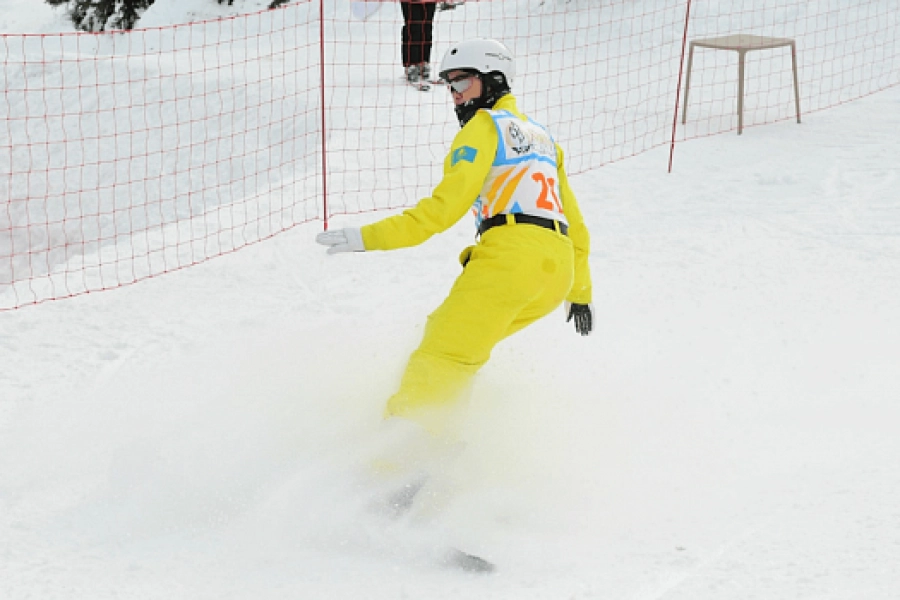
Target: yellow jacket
456	193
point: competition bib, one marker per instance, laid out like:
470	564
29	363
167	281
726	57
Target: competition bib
523	176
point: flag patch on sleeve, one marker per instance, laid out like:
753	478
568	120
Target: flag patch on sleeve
467	153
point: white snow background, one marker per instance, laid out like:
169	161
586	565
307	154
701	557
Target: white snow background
730	431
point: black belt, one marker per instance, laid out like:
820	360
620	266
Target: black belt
503	219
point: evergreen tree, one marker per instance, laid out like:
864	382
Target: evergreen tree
103	15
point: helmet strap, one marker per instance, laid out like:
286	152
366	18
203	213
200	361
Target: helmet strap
493	87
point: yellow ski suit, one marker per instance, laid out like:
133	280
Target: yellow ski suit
513	276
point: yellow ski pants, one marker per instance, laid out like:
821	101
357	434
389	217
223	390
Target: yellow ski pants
516	275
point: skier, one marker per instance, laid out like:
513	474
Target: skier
532	254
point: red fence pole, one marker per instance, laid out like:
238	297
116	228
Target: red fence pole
687	19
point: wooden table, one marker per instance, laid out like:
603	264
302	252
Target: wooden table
741	43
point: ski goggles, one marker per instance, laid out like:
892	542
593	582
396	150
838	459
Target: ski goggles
461	83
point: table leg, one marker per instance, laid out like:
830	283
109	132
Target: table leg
740	99
687	83
796	85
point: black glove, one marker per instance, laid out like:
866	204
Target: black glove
584	317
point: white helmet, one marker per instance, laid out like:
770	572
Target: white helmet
482	55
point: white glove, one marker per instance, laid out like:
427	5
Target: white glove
342	240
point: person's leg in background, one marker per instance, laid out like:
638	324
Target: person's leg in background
427	24
416	37
406	9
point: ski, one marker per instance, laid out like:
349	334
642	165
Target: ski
450	4
398	503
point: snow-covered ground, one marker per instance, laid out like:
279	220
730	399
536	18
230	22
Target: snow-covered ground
728	432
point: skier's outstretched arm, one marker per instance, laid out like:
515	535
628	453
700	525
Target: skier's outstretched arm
465	169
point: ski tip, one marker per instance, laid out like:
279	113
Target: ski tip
468	562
